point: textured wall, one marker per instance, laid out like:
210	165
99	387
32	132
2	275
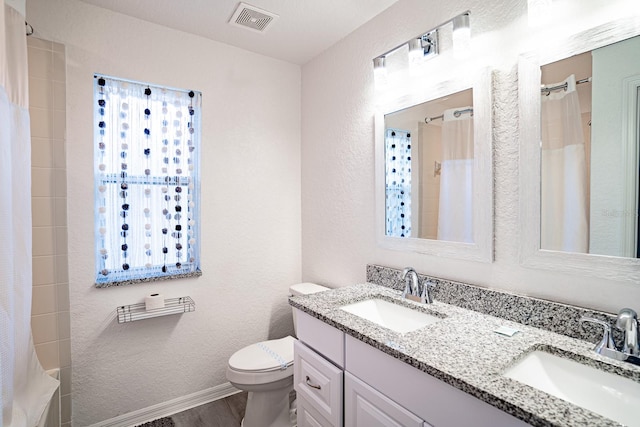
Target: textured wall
338	105
250	210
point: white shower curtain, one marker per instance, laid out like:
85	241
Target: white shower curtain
563	200
26	388
455	212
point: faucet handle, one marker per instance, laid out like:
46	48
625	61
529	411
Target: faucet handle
625	316
628	322
606	341
425	295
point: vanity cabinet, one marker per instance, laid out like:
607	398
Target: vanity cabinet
339	380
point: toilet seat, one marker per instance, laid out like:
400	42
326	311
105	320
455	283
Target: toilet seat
262	363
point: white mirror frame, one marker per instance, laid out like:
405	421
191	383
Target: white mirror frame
482	248
531	255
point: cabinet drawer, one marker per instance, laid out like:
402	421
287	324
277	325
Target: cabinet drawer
366	407
308	416
318	382
321	337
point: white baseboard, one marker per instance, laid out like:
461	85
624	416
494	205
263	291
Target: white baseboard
171	407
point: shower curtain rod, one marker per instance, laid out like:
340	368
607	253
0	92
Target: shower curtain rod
456	113
29	28
563	86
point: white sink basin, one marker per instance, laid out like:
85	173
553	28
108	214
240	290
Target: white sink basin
392	316
604	393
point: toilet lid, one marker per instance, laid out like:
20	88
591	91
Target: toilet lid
306	288
264	356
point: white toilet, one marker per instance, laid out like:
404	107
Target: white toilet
265	370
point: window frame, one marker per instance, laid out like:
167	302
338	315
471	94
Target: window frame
159	147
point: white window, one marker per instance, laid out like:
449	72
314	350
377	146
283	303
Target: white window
147	182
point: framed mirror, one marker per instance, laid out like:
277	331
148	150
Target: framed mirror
580	155
434	175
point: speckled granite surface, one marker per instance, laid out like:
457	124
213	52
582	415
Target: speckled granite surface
552	316
476	367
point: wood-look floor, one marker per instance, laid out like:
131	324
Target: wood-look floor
227	412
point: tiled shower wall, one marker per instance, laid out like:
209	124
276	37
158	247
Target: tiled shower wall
50	322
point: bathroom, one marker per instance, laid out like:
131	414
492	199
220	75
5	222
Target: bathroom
288	173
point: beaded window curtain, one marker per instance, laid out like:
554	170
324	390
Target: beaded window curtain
398	183
147	182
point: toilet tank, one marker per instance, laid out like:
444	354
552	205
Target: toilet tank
303	289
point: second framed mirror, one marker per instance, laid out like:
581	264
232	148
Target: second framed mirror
579	121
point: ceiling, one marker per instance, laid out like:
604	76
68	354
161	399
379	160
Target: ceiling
304	29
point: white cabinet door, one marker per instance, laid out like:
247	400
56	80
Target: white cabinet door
366	407
308	416
319	382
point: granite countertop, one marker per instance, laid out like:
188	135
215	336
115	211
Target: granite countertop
463	350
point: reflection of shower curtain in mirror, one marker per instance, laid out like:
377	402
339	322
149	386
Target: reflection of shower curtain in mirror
397	152
455	217
563	201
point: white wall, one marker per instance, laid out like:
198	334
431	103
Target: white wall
338	105
250	210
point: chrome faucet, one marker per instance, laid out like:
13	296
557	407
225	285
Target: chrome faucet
606	343
412	288
628	323
411	282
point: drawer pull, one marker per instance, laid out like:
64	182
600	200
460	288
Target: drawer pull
312	385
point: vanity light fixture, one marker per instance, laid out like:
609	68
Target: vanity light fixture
380	72
427	46
461	36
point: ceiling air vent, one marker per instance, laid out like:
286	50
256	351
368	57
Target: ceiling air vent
252	17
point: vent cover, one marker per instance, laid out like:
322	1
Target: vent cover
252	17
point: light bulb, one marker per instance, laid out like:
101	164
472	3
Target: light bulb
461	36
380	73
416	52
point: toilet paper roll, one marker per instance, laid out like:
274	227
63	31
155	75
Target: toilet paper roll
153	301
